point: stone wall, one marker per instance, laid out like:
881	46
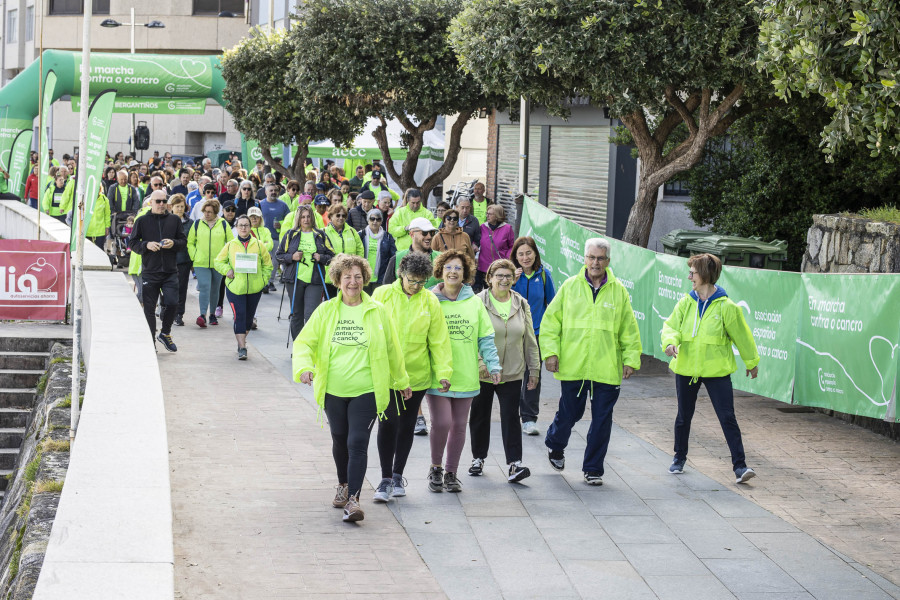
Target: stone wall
839	244
29	507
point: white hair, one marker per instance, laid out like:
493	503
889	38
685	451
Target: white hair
598	243
193	185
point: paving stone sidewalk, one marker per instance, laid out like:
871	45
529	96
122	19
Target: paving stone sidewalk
644	534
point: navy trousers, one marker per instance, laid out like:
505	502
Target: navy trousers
721	395
572	403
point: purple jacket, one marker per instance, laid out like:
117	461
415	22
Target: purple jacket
494	244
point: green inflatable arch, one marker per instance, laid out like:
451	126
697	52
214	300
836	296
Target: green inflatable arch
134	77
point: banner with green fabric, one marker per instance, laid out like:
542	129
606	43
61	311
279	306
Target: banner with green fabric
144	75
99	120
44	159
848	342
152	106
19	162
819	346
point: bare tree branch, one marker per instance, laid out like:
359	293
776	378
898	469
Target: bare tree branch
380	135
682	110
451	152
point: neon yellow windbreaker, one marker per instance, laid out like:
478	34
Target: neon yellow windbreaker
422	331
245	283
312	349
204	242
593	339
704	345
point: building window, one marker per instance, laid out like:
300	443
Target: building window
29	23
214	7
676	188
76	7
12	26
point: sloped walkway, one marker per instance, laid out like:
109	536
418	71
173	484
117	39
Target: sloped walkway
252	480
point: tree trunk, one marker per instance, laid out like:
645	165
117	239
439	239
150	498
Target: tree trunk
406	177
296	170
640	219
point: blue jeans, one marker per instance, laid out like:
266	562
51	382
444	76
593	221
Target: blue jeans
207	280
721	395
572	403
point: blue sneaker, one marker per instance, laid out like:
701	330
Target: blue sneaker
677	467
744	474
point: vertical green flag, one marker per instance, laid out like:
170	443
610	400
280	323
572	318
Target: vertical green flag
99	119
670	284
19	163
847	343
770	301
634	267
44	159
543	225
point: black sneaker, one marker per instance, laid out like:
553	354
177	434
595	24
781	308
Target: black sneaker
593	478
213	320
166	340
557	459
517	472
265	290
477	467
451	483
179	321
253	327
436	479
272	287
242	354
677	466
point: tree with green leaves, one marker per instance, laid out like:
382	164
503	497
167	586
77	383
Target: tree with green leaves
845	51
658	66
386	59
770	178
267	108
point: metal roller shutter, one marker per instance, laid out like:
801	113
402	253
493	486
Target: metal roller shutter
579	175
508	166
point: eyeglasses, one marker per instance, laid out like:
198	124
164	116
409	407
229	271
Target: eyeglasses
425	233
590	258
452	269
375	219
416	282
691	273
503	277
450	218
243	225
341	216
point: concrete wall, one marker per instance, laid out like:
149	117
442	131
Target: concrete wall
112	537
839	244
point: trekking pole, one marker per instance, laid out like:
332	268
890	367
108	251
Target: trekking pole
280	306
324	285
291	318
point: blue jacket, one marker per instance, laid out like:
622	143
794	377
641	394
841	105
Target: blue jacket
386	250
539	292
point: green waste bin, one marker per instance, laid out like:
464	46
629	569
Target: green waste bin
742	252
675	242
218	158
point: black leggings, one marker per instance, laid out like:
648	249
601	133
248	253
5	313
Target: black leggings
184	278
221	298
244	308
480	419
395	433
351	421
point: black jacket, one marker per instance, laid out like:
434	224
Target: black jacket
473	228
242	206
357	218
290	243
183	256
118	204
154	228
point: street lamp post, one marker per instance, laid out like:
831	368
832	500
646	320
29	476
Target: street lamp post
151	25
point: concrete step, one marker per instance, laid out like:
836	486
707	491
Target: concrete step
16	378
26	344
23	360
11	437
8	458
14	417
4	482
17	397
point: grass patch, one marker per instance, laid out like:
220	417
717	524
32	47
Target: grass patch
25	506
57	427
17	555
67	402
887	214
48	486
42	383
60	359
31	468
55	445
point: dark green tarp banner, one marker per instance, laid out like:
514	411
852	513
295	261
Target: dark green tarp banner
829	341
95	156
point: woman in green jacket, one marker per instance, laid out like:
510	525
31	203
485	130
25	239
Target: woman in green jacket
355	337
344	238
98	229
206	239
246	265
57	200
426	350
471	335
698	335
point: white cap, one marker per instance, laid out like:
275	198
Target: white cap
254	211
422	224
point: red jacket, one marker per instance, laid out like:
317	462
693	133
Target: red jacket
31	187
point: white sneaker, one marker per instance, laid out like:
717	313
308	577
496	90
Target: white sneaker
530	428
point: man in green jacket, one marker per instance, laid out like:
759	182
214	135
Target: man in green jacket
589	341
403	216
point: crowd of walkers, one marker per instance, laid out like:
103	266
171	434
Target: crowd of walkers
393	304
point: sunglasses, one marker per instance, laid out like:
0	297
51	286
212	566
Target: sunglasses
209	192
375	219
162	201
156	185
229	210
